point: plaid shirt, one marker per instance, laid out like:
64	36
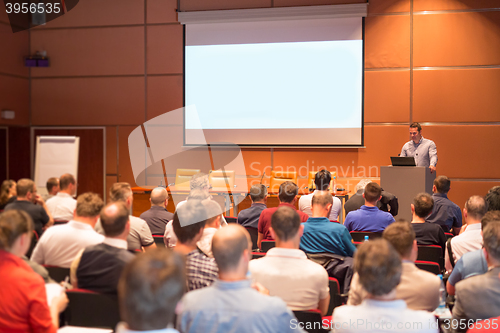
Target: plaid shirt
201	270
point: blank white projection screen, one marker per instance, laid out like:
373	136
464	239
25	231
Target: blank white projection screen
283	83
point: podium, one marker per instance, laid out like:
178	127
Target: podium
406	182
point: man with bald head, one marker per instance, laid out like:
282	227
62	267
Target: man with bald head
231	304
320	234
158	216
98	267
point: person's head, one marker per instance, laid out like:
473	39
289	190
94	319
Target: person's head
322	180
149	289
285	224
189	221
26	189
422	205
232	249
88	205
362	184
16	230
402	237
198	194
379	267
67	183
415	132
121	192
441	184
493	216
493	198
159	197
7	190
115	219
214	213
321	204
288	192
475	208
199	180
491	242
372	193
52	185
258	193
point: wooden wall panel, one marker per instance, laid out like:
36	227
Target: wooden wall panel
14	95
388	6
161	11
110	180
194	5
463	95
111	147
421	5
106	51
387	41
291	3
461	191
15	46
88	101
165	49
100	13
466	151
257	161
164	94
381	143
3	154
387	95
4	18
19	153
457	39
126	174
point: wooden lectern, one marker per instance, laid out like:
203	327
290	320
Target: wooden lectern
406	182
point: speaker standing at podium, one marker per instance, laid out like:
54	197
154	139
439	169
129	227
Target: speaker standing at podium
423	150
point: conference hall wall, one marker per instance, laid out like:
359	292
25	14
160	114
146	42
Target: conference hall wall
118	63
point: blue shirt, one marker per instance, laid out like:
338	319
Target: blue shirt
445	212
250	217
368	219
470	264
424	152
233	307
321	235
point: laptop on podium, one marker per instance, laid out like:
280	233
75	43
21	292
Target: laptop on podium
402	161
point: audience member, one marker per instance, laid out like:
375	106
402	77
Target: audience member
285	270
189	222
250	217
214	216
158	216
379	268
7	193
98	267
369	217
29	201
23	297
231	304
52	187
140	235
387	203
493	198
478	297
60	244
320	234
474	262
445	213
426	233
62	205
418	288
287	196
322	181
470	238
149	290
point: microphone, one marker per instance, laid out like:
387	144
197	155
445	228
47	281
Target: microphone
262	177
171	184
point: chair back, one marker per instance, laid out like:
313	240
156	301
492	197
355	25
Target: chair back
159	240
90	309
256	255
183	176
428	266
335	297
279	177
57	274
266	245
432	253
222	178
311	320
254	235
312	186
231	219
359	236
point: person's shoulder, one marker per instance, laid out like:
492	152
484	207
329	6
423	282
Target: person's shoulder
471	284
134	220
427	277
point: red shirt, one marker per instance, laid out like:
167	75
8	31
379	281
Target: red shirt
23	300
265	219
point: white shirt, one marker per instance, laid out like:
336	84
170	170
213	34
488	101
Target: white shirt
61	206
170	238
288	274
305	206
205	243
468	241
60	244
